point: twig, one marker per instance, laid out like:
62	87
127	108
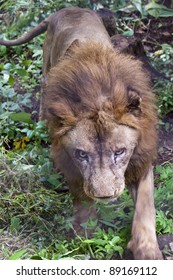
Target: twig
167	161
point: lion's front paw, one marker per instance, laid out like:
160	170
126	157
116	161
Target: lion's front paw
148	250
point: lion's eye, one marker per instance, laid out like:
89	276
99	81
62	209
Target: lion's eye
119	152
81	155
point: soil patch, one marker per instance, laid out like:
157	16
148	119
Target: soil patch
166	140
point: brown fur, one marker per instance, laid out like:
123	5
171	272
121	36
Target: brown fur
101	80
101	114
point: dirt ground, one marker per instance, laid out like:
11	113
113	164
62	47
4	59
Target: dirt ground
166	141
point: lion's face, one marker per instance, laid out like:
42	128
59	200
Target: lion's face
101	158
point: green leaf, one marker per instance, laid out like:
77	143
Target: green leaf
108	223
3	50
18	254
157	10
8	66
88	241
15	224
170	183
21	72
128	33
22	117
36	258
11	80
116	239
29	133
119	249
1	67
27	62
6	77
138	5
54	180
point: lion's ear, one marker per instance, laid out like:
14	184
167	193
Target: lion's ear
134	102
69	50
62	116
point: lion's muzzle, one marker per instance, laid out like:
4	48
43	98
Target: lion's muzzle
104	192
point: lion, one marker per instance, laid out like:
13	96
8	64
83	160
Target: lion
101	114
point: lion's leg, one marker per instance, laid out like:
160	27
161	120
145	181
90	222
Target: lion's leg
144	241
82	211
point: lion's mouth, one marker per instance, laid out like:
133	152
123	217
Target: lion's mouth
104	200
